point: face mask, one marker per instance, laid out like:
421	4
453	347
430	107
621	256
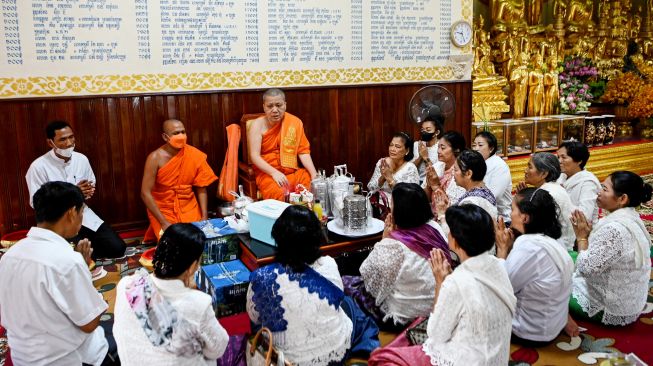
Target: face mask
66	153
427	136
177	141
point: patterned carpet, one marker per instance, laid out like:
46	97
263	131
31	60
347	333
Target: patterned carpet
595	342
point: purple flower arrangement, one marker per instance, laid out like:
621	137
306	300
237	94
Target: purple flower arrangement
573	81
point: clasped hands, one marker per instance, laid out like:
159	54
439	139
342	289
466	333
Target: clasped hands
387	170
422	150
87	187
504	238
440	266
84	248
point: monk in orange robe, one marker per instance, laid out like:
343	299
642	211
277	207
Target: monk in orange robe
174	181
276	141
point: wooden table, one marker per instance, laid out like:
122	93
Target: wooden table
255	254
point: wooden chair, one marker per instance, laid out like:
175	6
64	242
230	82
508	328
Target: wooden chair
246	175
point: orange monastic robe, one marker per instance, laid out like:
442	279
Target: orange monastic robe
173	189
280	146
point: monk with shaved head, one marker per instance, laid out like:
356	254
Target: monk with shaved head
174	181
276	143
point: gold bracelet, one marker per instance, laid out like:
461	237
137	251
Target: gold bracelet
581	239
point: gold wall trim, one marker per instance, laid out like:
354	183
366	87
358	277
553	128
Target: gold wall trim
636	157
146	83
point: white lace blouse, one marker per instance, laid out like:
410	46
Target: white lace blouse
407	173
612	275
471	322
400	280
316	333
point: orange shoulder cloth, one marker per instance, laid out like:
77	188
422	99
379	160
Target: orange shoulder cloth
293	141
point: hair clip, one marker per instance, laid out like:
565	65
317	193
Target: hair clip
533	195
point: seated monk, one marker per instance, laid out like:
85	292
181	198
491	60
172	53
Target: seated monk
275	141
175	179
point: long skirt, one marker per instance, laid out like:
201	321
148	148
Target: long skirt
401	352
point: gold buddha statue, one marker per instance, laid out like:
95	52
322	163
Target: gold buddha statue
551	92
508	14
536	87
534	12
579	15
519	86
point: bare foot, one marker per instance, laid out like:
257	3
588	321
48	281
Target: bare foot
572	328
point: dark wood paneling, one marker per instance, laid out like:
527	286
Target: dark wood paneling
349	125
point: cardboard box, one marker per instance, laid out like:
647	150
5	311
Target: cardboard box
222	242
262	215
227	284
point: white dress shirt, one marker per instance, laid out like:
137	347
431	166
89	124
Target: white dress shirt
49	168
134	348
498	180
583	188
46	294
541	287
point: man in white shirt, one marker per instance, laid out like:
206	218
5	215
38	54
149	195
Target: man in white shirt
65	165
47	301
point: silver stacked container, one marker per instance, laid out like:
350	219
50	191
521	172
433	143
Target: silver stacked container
354	214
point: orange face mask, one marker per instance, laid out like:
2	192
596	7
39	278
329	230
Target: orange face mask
177	141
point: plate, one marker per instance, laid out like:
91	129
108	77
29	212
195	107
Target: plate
374	226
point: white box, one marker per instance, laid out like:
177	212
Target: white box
262	215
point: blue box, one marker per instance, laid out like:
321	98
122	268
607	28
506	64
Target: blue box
222	243
262	215
227	284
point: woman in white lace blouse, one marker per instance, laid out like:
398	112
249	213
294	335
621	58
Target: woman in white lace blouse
474	304
613	266
160	319
395	285
542	171
396	167
300	298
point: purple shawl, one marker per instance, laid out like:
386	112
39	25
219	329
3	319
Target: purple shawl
422	240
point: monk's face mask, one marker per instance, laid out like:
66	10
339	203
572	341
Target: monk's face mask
177	141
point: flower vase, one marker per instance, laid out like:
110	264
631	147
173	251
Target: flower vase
647	128
610	128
